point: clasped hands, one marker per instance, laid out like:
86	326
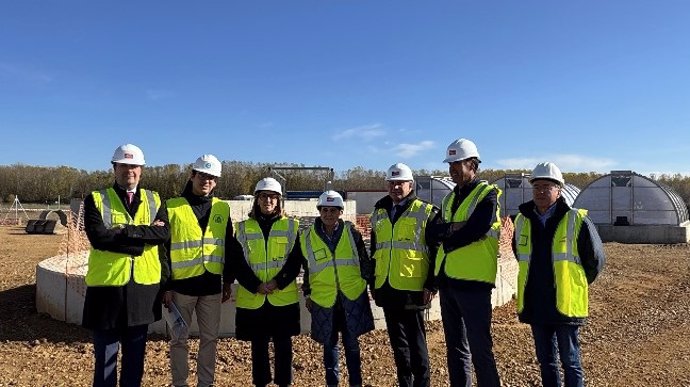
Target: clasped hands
267	287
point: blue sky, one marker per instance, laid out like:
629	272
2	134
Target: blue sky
591	85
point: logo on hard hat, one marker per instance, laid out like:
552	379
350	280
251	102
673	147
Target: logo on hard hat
451	152
207	165
129	156
330	199
395	173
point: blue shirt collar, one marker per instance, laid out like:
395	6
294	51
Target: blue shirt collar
547	214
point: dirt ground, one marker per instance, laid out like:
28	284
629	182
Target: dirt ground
638	333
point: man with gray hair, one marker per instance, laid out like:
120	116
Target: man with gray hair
404	281
559	254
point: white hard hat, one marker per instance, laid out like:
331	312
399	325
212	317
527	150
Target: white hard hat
331	199
268	184
461	149
548	171
208	164
399	172
128	154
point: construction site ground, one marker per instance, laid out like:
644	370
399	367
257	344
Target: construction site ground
638	333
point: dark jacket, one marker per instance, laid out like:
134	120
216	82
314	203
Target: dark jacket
354	316
207	283
268	320
386	296
540	290
109	307
476	227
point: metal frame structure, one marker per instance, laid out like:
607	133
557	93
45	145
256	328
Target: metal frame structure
276	169
16	206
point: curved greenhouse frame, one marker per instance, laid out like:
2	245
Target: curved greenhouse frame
517	190
625	198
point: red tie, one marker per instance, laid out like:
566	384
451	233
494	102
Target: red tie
130	196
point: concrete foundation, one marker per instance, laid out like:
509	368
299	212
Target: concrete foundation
60	287
655	234
60	291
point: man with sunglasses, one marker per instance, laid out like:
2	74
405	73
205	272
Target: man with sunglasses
199	226
404	283
559	254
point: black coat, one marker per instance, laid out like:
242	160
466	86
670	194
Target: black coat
476	227
207	283
386	296
109	307
268	320
540	290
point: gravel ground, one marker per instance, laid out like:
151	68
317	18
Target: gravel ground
637	334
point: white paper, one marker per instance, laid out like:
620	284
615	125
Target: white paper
176	324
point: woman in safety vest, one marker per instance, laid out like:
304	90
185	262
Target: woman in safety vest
267	298
559	254
336	263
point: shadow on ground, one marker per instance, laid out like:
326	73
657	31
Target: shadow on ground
19	320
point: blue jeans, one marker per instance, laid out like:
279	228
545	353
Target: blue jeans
106	344
466	318
352	359
550	341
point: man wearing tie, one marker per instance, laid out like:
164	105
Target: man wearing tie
404	282
125	228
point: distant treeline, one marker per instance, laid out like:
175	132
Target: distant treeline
45	184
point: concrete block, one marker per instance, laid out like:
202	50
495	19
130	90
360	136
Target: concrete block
654	234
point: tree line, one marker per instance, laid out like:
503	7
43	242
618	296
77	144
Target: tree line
36	184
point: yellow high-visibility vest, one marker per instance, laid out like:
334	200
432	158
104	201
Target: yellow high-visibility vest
402	256
477	261
266	258
329	273
193	250
107	268
572	289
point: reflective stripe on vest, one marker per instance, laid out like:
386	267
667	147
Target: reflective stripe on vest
147	196
107	268
266	258
572	289
402	256
191	253
477	261
329	273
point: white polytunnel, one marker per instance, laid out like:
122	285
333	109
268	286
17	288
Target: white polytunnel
517	190
626	198
631	208
433	188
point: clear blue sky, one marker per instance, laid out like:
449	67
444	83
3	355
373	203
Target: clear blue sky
592	85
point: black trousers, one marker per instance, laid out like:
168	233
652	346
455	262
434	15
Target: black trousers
467	326
407	335
261	367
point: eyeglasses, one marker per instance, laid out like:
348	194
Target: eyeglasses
205	176
393	183
544	188
332	210
267	196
